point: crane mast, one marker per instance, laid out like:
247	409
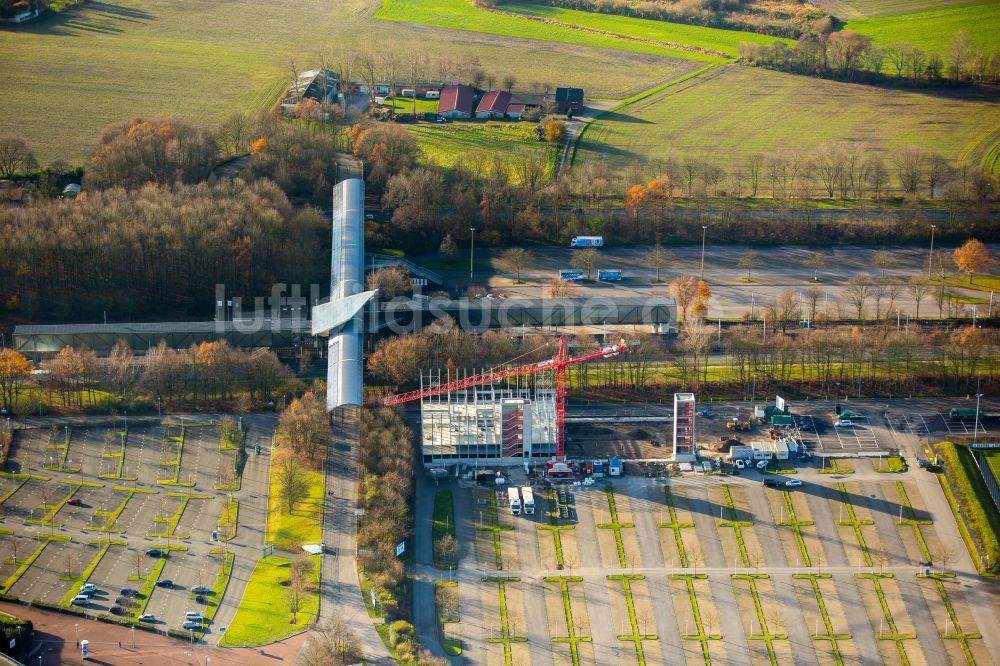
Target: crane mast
557	364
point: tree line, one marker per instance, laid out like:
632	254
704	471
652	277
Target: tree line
853	57
210	374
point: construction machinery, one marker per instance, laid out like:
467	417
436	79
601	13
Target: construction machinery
557	365
736	423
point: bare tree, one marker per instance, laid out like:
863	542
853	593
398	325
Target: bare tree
586	259
516	259
293	485
556	288
508	82
749	261
332	644
812	296
657	258
446	548
15	157
883	260
918	289
859	290
816	261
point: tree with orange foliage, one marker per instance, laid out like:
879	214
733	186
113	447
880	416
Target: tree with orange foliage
972	257
554	130
14	369
258	146
684	290
635	197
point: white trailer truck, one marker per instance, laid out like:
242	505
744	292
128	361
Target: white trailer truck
514	501
528	500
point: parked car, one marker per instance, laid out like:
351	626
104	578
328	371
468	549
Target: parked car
190	624
74	501
122	601
201	589
772	482
117	610
793	483
156	552
740	464
88	587
843	423
762	464
165	583
193	615
80	600
128	592
147	617
200	599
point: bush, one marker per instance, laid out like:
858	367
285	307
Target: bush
16	629
973	498
401	632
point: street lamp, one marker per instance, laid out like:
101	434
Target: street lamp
704	230
930	255
76	631
975	432
472	248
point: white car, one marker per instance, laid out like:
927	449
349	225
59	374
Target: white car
843	423
762	464
792	483
740	464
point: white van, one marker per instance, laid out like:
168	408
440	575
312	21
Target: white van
80	600
193	615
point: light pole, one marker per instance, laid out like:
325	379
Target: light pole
76	631
930	255
472	249
704	230
975	432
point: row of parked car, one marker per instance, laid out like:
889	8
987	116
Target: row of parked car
127	595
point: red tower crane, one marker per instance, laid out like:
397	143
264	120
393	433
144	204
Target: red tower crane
557	364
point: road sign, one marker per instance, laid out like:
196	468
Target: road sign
268	550
400	548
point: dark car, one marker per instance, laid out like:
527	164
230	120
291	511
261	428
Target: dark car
74	501
200	599
123	601
773	483
165	583
128	592
156	552
117	610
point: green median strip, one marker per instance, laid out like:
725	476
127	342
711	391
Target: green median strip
796	526
554	527
506	637
495	527
175	463
702	636
23	566
765	633
911	519
635	637
854	523
120	455
63	449
827	624
148	584
616	527
675	526
571	637
214	598
957	634
229	520
893	634
737	525
835	468
88	572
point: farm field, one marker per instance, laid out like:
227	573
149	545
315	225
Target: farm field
113	62
714	39
933	30
444	143
848	8
690	119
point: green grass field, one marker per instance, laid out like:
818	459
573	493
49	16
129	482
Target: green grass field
898	7
405	105
303	525
765	110
66	76
696	37
265	613
933	30
443	143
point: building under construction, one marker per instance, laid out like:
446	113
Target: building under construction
510	422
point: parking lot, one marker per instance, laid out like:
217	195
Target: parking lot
719	569
85	504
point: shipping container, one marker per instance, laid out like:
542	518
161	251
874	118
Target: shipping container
609	275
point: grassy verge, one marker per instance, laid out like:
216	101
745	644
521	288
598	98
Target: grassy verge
635	637
452	647
702	636
175	463
63	454
737	525
265	614
148	583
289	530
827	624
675	525
23	566
229	519
119	455
893	634
570	638
616	527
911	519
976	514
796	526
554	527
957	634
834	467
170	531
443	523
214	598
890	465
765	633
854	523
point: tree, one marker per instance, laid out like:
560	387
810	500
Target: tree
293	486
859	290
514	260
635	196
554	130
684	290
657	258
816	261
446	549
15	157
910	168
972	257
748	260
883	260
391	282
331	644
556	288
918	289
14	369
508	82
448	246
235	134
586	259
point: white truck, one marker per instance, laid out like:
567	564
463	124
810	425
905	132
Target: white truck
528	500
514	501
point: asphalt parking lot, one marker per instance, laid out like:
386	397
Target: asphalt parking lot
85	503
688	569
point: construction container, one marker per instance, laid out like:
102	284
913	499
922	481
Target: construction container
761	450
780	449
615	467
740	453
